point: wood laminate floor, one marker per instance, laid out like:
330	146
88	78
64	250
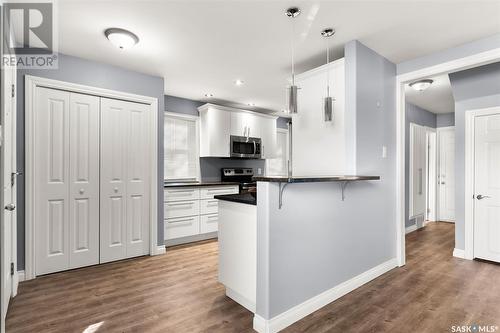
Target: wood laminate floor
178	292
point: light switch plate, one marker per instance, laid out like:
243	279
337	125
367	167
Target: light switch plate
259	171
384	151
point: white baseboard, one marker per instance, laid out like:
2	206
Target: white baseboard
242	300
300	311
21	276
160	250
459	253
411	228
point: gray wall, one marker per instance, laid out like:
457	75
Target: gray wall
81	71
445	119
464	50
419	116
472	89
210	167
316	240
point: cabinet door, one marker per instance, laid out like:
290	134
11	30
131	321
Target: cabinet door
84	180
239	123
51	180
125	180
269	137
214	133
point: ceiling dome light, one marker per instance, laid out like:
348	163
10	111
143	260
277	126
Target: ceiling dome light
121	38
421	85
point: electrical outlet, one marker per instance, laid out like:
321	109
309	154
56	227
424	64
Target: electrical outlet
384	152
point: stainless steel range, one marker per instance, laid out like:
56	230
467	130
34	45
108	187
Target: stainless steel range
240	175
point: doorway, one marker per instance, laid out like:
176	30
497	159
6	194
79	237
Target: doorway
482	212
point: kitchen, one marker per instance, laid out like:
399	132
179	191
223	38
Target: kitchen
233	166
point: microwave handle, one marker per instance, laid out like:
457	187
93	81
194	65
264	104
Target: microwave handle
245	132
254	148
248	133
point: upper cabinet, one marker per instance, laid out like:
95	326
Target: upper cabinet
218	123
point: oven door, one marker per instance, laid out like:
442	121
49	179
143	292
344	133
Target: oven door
243	147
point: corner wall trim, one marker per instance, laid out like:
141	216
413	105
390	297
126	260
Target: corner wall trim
21	276
160	250
458	253
411	228
300	311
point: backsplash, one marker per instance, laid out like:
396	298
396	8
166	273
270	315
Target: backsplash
210	166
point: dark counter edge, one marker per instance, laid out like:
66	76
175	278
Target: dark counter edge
314	179
244	198
181	184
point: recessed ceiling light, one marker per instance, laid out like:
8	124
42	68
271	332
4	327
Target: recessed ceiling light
421	85
239	82
209	95
251	104
121	38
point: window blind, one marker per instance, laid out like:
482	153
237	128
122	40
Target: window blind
181	149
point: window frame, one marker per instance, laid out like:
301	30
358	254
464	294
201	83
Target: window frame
196	120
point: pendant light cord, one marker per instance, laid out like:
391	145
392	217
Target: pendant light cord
327	69
293	52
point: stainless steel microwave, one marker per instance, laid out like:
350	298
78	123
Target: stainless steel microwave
245	147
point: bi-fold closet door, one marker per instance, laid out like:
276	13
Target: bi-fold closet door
91	180
418	170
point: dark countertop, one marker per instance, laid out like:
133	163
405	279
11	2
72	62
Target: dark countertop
314	179
180	184
244	198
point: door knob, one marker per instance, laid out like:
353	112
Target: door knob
81	191
10	207
481	197
115	189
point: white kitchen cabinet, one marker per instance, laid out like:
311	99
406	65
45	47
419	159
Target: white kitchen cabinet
246	124
192	212
218	123
215	124
268	136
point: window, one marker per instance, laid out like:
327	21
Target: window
182	159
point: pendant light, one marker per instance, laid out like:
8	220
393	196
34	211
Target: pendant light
328	100
292	12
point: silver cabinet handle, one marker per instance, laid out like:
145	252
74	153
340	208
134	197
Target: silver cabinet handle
481	197
10	207
180	204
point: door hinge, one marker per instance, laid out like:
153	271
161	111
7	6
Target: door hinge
11	268
13	91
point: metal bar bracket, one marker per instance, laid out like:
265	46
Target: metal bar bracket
281	189
343	186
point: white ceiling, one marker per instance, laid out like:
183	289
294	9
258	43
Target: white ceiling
438	98
203	46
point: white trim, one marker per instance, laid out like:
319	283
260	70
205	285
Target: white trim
230	109
300	311
181	116
240	299
320	69
160	249
457	253
411	228
475	60
21	276
32	82
470	116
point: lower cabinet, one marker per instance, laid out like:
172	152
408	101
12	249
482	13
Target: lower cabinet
193	211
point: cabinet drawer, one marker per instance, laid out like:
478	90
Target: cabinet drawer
181	208
209	192
209	223
182	227
209	206
181	194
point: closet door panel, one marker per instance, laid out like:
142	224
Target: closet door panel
138	181
84	180
51	180
113	179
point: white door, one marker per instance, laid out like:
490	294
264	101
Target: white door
67	180
84	180
418	170
487	187
278	166
446	175
8	182
124	214
51	119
